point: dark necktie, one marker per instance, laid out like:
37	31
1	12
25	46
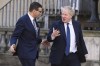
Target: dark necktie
35	27
34	24
67	40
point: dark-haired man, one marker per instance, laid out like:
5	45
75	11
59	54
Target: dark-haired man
27	34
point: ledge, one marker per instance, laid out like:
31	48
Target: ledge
91	33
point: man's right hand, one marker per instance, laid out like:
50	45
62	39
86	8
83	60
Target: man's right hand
55	33
12	48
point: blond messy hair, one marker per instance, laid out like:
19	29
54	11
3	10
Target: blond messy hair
69	9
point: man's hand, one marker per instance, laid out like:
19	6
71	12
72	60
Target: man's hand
45	43
55	33
12	48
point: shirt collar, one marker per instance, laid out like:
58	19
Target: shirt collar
70	22
31	18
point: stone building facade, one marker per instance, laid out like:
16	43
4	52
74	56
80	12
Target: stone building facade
9	16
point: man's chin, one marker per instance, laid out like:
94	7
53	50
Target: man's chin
64	21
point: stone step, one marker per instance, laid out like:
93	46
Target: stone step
7	59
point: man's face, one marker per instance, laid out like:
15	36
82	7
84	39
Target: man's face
66	17
38	12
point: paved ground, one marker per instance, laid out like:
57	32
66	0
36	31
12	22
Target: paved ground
38	63
9	60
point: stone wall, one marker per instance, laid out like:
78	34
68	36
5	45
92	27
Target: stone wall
92	40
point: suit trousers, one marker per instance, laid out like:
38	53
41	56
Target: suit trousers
70	60
27	62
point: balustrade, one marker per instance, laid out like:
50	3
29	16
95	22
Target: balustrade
14	9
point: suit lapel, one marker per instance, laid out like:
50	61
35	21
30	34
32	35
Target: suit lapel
75	29
38	29
30	25
62	30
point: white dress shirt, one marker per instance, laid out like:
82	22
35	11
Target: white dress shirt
73	47
32	20
34	23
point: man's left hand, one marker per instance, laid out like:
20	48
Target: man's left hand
45	43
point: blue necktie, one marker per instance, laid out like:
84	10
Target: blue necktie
67	40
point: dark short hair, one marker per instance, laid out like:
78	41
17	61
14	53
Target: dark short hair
34	6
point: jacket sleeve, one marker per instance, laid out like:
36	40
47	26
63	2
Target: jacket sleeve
17	31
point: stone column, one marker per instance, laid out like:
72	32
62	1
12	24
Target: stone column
65	2
2	43
94	11
46	19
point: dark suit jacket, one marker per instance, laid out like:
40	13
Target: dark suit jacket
59	43
27	46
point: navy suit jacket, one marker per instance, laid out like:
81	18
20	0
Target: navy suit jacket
25	37
59	43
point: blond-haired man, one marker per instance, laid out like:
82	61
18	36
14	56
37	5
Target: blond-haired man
68	47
